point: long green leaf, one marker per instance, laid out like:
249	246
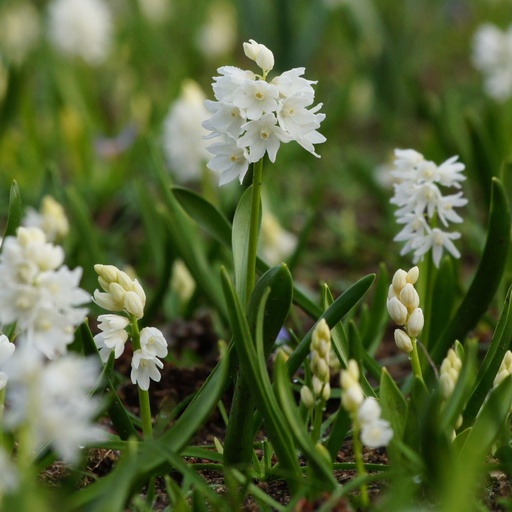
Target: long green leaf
487	278
266	400
14	215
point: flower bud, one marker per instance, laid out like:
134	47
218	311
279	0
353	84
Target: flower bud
326	392
412	275
397	311
352	398
307	397
124	280
133	304
403	341
117	291
415	323
399	280
106	301
317	385
409	297
260	54
447	385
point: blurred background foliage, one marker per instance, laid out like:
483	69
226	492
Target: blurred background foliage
391	74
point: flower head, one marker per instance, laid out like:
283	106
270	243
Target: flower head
81	28
421	204
253	116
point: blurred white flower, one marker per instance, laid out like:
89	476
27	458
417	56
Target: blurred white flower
375	432
420	200
276	244
51	219
182	283
52	400
9	478
81	28
156	11
253	117
183	137
505	369
6	351
39	293
145	367
492	56
20	29
217	36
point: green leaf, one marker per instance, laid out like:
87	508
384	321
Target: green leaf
338	309
320	469
499	345
14	215
204	213
240	242
393	404
238	446
339	431
266	400
487	278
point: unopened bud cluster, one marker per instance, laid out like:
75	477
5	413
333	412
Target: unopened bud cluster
449	373
403	307
121	292
365	412
505	369
320	355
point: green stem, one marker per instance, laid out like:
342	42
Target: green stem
415	360
254	227
145	406
358	454
426	302
317	420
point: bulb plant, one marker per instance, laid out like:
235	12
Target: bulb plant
300	414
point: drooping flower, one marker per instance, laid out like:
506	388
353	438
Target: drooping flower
39	293
492	56
253	116
422	207
52	401
113	335
183	137
81	28
145	368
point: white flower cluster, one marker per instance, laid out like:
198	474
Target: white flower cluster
39	293
51	219
403	307
125	294
253	117
183	138
81	28
52	401
365	412
492	56
422	204
320	355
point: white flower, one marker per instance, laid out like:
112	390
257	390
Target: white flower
9	478
39	294
218	34
263	136
52	400
419	199
152	342
6	351
403	341
256	116
415	323
113	335
183	137
397	311
369	410
492	55
51	219
81	28
376	434
144	368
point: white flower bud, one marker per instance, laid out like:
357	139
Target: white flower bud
107	272
106	301
415	323
447	385
505	368
133	304
307	397
397	311
137	288
317	385
412	275
399	280
118	292
326	392
124	280
260	54
409	297
403	341
352	398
